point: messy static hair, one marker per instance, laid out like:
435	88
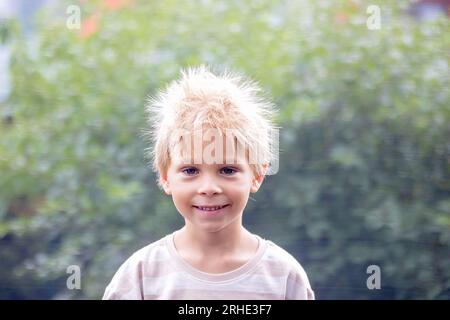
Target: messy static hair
224	101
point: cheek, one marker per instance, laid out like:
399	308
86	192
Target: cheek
182	195
239	193
181	204
242	186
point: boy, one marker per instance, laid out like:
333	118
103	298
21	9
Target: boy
213	256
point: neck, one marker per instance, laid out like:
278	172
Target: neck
208	244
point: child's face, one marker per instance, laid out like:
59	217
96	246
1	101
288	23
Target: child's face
196	186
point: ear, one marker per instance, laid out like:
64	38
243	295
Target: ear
165	183
258	180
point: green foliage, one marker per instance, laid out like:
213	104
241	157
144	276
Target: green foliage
364	174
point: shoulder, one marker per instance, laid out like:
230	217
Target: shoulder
291	264
126	282
155	251
297	282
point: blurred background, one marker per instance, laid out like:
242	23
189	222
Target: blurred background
363	92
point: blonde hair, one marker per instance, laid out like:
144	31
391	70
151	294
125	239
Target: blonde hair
199	97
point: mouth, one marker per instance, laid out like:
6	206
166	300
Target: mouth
211	208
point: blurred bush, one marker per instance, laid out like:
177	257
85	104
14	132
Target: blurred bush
364	153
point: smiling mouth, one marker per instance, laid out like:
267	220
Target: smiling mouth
211	208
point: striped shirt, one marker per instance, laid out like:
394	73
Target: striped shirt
157	271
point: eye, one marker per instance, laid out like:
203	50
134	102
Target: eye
228	171
189	171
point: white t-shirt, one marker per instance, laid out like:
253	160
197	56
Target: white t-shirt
157	271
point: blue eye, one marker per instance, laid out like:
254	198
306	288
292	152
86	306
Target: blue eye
228	171
189	171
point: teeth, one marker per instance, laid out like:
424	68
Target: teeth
210	208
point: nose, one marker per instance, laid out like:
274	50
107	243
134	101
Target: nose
209	186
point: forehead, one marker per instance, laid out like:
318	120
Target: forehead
210	146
